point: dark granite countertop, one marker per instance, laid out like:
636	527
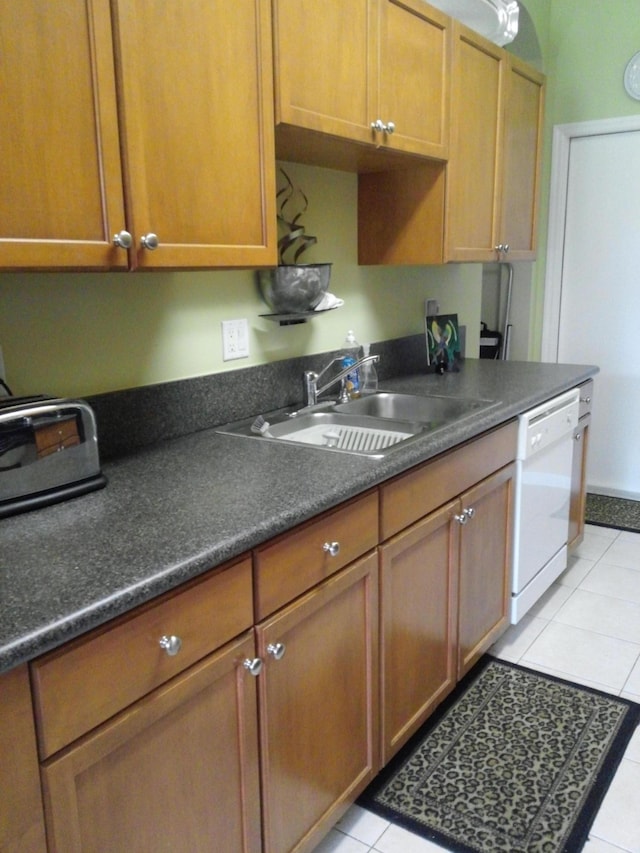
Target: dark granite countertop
181	507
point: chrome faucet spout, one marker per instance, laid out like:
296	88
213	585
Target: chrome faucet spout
310	379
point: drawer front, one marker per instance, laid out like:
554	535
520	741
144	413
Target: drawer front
90	679
301	558
415	494
586	398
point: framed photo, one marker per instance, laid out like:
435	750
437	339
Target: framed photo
443	342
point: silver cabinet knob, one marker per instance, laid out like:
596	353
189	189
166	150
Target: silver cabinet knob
505	248
331	548
171	645
123	240
150	241
462	518
380	127
578	436
253	666
585	399
276	650
469	512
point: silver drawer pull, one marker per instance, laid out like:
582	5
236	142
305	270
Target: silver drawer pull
276	650
469	512
171	645
585	399
462	518
253	666
331	548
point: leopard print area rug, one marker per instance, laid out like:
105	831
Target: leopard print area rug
514	761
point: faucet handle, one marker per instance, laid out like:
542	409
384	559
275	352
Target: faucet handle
309	388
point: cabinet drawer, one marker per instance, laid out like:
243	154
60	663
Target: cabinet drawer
90	679
418	492
297	560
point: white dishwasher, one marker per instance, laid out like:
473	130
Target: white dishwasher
542	497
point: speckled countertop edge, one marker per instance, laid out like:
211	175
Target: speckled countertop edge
177	509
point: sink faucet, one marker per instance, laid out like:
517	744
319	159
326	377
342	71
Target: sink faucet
311	379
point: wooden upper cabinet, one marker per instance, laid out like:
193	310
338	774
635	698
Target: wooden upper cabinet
493	171
61	197
413	87
196	119
344	65
522	148
178	142
322	76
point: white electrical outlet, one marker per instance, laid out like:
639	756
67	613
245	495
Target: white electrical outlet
235	339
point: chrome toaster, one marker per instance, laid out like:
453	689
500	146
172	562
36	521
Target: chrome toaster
48	452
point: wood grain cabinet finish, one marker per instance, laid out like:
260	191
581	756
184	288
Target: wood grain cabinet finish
579	467
418	624
176	772
21	814
143	121
493	171
82	684
61	193
292	563
196	119
486	197
391	73
444	577
484	574
318	696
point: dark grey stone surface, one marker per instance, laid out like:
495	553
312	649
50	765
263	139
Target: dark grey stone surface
181	506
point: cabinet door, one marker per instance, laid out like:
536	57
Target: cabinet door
323	54
178	772
474	168
521	168
414	78
485	565
418	613
318	707
196	119
61	197
21	816
578	481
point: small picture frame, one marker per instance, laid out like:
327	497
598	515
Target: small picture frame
443	342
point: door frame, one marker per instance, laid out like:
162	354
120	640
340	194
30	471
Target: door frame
563	134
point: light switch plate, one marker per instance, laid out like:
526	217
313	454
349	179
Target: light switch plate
235	339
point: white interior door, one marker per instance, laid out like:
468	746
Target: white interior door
597	297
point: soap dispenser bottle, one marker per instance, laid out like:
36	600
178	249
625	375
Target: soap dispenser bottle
351	351
368	374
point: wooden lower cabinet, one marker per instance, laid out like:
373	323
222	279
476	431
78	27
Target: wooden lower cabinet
445	585
21	816
318	694
485	565
177	772
577	504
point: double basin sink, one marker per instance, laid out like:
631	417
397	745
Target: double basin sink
368	426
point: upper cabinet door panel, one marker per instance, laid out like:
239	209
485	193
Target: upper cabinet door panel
196	118
474	167
414	77
324	50
522	149
61	196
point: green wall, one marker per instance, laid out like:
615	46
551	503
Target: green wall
84	333
585	45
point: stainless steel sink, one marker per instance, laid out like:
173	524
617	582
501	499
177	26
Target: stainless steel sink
409	407
350	433
369	426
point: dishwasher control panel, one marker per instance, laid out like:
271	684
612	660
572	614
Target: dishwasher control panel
548	423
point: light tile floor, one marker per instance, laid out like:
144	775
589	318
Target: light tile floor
586	629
